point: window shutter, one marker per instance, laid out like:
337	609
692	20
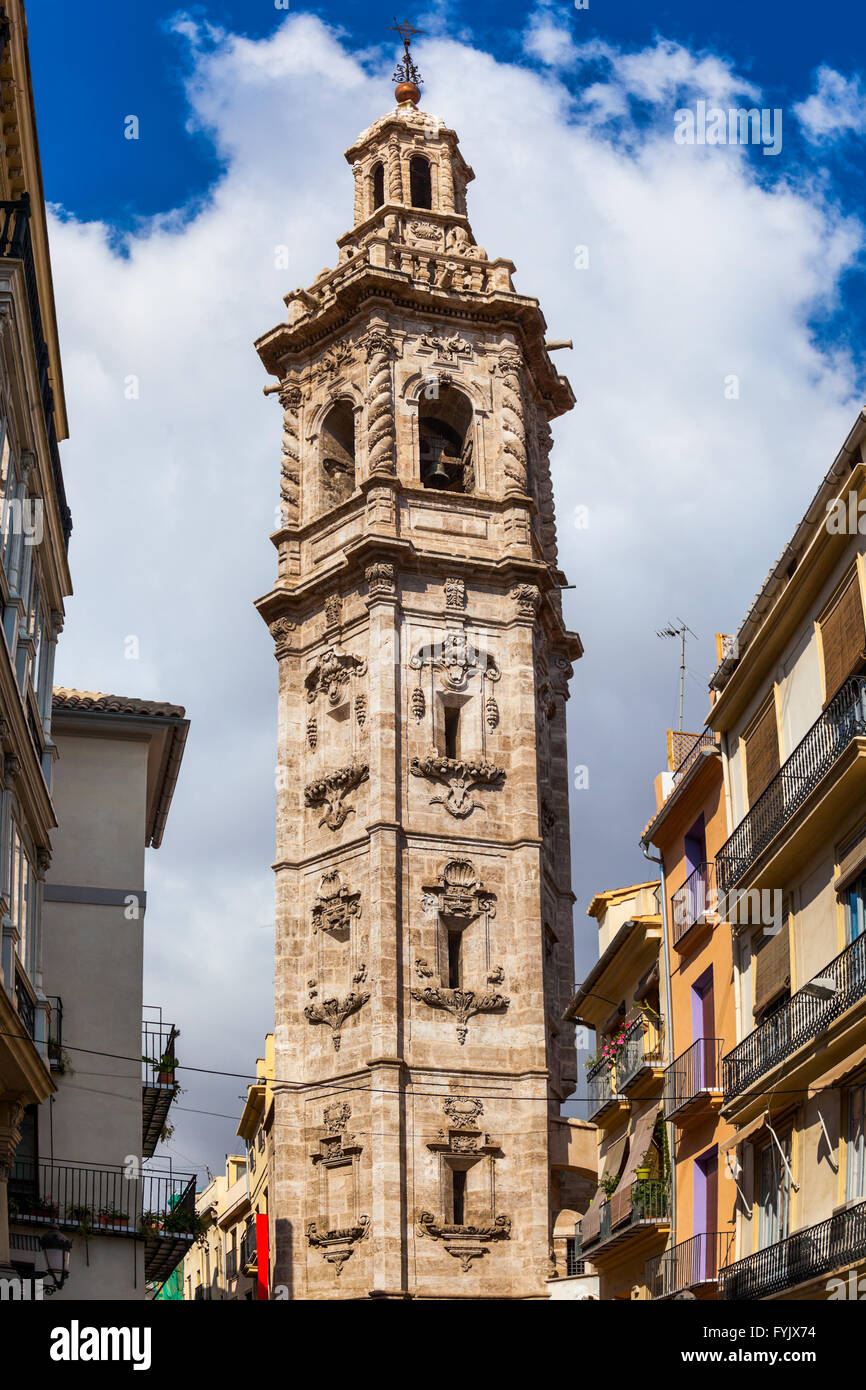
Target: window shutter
762	753
772	966
843	637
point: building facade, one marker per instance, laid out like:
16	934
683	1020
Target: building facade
627	1222
221	1266
790	714
688	829
34	581
85	1160
424	954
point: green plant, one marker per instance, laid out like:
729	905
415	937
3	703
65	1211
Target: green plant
609	1185
81	1215
113	1216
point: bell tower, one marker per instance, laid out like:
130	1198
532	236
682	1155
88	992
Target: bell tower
424	955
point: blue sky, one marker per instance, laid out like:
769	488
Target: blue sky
704	264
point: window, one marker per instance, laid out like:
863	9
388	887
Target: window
454	945
856	1178
21	895
378	185
458	1196
452	732
762	752
772	967
420	190
843	638
855	907
773	1193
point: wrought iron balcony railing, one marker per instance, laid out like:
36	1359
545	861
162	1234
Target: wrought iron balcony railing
248	1254
55	1031
807	1254
692	1262
25	1004
231	1264
806	1014
694	1073
600	1086
705	739
842	720
642	1048
695	902
158	1078
102	1200
646	1201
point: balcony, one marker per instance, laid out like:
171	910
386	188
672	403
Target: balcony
604	1102
806	1014
815	756
693	1264
694	906
639	1061
55	1033
231	1264
156	1208
16	245
805	1255
694	1080
25	1003
248	1252
643	1205
158	1079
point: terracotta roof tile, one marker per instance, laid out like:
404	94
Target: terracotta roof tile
94	700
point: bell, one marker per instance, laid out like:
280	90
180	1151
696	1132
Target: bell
440	477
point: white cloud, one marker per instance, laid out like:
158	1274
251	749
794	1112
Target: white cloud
696	272
836	108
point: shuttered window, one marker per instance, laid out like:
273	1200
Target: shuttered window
772	966
843	638
762	752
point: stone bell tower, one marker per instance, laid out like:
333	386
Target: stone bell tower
423	900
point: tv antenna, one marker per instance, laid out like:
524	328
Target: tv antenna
679	629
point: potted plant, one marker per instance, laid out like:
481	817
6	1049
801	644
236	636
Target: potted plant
113	1216
151	1222
82	1216
644	1171
609	1185
42	1207
165	1068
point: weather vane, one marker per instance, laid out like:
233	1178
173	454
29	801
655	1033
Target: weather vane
406	70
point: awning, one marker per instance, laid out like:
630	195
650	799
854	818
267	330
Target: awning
641	1139
749	1132
589	1226
845	1069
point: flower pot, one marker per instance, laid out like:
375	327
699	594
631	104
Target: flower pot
642	1172
165	1078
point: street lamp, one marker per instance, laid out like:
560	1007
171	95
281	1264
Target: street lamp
57	1248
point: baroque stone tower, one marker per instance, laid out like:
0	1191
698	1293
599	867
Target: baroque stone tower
424	952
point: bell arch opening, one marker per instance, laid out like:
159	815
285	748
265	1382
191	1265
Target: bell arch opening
445	441
378	185
420	182
338	452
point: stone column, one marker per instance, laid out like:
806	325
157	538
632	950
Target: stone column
381	428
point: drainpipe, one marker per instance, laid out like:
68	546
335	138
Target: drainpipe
669	1030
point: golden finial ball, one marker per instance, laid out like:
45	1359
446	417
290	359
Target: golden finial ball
407	91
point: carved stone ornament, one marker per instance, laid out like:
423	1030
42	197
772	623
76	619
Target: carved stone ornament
336	1117
332	673
330	790
381	579
426	231
455	594
334	1012
449	348
361	710
462	1003
419	704
492	713
528	599
281	630
11	766
456	659
312	732
378	341
465	1243
335	907
336	357
463	1111
336	1246
459	893
460	777
333	610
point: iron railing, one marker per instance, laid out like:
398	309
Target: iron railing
695	1071
55	1031
574	1262
249	1255
694	901
692	1262
231	1264
101	1199
803	1017
158	1056
24	1004
16	244
599	1087
807	1254
842	720
642	1048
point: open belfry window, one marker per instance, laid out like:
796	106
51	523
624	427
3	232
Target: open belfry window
445	441
338	451
378	181
843	637
761	742
420	184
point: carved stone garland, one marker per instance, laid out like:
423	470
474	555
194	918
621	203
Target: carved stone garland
334	1011
330	790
